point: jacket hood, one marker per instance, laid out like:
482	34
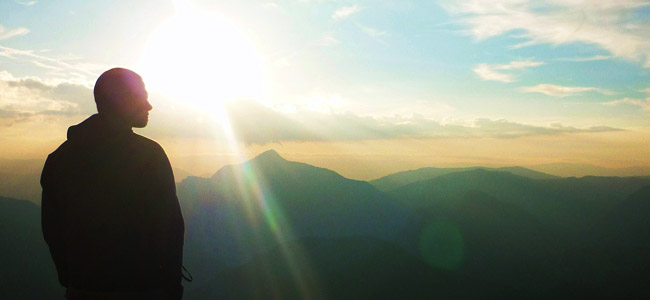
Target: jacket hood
95	129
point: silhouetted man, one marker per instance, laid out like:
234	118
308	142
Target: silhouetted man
110	214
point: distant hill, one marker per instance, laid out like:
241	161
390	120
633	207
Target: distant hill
27	269
580	170
399	179
568	203
180	174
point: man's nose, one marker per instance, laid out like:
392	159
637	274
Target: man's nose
148	106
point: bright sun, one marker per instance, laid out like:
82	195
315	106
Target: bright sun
202	60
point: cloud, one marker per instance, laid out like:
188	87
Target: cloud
609	24
6	34
644	104
45	66
590	58
491	72
646	90
327	40
345	12
272	5
373	32
26	3
254	123
26	97
562	91
84	71
488	73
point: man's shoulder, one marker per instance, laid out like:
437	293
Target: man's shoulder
62	148
147	143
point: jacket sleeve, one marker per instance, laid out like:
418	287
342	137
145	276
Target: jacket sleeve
173	226
52	221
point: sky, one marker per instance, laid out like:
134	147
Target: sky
365	88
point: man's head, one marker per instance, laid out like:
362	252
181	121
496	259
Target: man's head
120	94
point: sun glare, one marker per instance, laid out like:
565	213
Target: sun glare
202	60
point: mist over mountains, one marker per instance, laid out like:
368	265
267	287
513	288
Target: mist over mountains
276	229
20	178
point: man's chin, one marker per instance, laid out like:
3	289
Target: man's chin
141	124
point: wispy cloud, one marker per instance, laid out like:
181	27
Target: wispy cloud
590	58
45	66
50	63
646	90
26	3
345	12
494	72
562	91
373	32
608	24
327	40
272	5
305	125
488	73
6	34
644	104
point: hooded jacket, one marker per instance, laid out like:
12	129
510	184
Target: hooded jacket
110	214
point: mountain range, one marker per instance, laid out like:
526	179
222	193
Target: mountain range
276	229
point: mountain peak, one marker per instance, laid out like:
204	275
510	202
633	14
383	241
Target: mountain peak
266	158
269	155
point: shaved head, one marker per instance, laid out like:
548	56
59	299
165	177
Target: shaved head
120	93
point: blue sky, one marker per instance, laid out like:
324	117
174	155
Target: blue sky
552	67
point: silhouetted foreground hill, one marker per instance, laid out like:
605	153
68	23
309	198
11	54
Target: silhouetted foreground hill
350	268
483	237
624	234
276	229
26	270
539	235
247	209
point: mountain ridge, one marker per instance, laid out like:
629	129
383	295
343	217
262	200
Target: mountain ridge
581	170
396	180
